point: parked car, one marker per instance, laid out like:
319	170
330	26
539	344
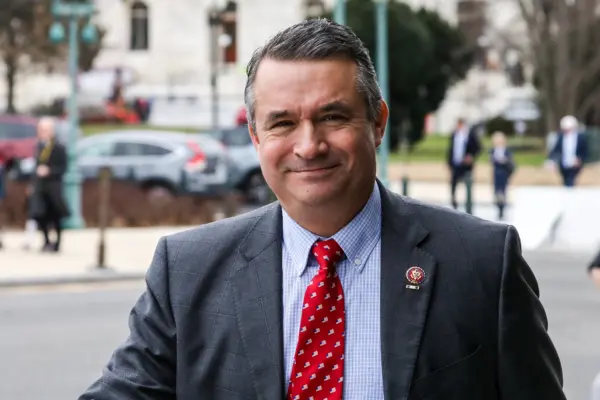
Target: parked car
162	163
245	175
18	138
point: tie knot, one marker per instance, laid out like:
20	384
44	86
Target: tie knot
327	253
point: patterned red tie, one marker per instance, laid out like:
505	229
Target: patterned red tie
318	370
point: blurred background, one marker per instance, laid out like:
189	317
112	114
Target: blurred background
148	100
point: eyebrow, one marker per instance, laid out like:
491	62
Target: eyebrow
338	106
274	115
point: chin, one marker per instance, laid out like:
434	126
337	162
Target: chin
315	197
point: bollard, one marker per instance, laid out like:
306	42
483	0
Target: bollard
103	214
469	188
405	185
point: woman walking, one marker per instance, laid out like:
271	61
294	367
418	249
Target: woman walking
503	166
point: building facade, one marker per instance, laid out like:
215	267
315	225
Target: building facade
168	49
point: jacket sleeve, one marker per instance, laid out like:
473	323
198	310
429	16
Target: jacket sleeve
529	366
595	262
143	368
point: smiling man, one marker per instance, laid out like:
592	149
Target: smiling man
340	289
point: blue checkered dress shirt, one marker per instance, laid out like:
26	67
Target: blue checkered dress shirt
360	274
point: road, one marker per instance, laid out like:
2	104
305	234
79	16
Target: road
53	343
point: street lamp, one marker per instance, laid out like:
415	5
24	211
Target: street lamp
214	22
339	12
220	13
73	11
381	24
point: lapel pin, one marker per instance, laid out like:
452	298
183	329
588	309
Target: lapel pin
415	275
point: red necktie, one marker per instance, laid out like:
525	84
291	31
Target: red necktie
318	370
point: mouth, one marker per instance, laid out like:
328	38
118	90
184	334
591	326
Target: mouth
315	170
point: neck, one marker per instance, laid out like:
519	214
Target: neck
327	220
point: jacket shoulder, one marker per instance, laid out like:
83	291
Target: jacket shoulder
228	229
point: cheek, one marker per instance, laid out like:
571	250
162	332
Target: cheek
272	153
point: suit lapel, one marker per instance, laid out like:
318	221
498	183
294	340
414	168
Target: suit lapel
257	290
403	310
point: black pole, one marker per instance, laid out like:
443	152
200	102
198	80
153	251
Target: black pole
214	22
103	214
469	188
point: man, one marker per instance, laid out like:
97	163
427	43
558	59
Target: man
570	150
463	150
341	289
47	204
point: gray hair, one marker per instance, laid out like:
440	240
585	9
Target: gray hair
315	40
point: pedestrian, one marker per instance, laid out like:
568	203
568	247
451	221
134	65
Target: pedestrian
463	150
570	150
341	289
503	166
594	273
48	206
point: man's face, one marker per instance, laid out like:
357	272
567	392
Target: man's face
314	141
45	131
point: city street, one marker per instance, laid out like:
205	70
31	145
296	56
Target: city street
54	341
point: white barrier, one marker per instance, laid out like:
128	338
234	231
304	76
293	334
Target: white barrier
579	226
565	218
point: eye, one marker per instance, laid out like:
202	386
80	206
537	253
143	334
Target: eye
334	117
282	124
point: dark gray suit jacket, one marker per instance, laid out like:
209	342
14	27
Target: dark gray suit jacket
209	325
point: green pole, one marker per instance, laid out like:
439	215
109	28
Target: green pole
381	22
339	12
469	189
72	181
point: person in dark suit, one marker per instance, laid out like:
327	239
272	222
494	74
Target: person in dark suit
570	150
503	164
463	150
47	204
341	289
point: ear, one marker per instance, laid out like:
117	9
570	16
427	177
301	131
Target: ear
253	136
381	123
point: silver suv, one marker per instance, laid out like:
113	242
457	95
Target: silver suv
245	173
160	162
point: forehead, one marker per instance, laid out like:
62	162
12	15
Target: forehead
302	86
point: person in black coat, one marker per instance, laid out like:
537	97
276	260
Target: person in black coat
570	150
503	166
47	203
462	152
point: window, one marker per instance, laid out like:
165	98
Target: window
97	150
11	131
237	137
132	149
139	26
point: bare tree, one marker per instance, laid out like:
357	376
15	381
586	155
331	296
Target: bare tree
24	41
564	41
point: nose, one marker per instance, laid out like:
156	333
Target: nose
309	144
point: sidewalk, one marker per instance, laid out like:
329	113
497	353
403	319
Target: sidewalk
129	252
524	175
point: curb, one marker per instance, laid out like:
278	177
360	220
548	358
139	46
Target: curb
93	276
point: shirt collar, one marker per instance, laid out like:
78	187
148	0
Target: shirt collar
357	239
